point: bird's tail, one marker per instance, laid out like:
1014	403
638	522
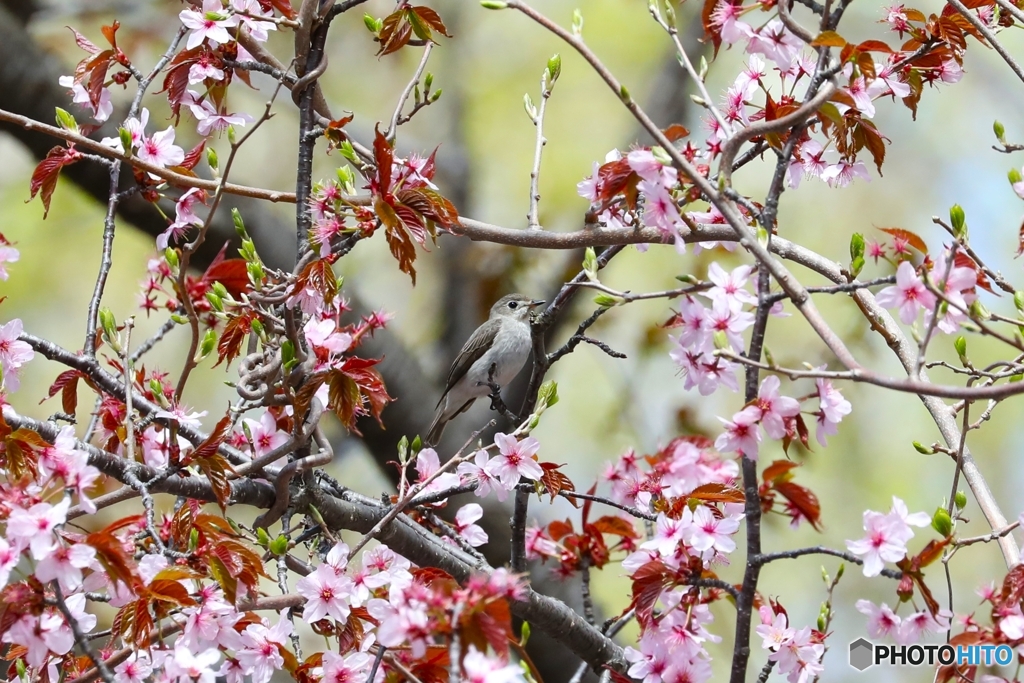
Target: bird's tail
436	428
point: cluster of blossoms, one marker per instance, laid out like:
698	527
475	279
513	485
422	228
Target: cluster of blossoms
887	536
955	281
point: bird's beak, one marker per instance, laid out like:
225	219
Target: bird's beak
537	302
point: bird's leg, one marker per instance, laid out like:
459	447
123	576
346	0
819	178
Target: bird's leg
495	396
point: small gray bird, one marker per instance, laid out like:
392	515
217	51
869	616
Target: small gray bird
505	341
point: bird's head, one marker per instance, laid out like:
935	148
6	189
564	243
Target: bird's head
515	306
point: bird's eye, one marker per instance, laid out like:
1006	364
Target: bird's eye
512	304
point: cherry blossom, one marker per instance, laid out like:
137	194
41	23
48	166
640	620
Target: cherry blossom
212	23
476	470
741	433
135	669
710	535
843	173
774	407
882	621
14	353
479	668
909	294
7	255
327	594
887	536
182	416
833	408
159	149
261	652
33	528
427	463
730	287
264	434
100	110
958	290
210	120
323	336
182	664
352	668
465	524
65	564
515	460
9	557
257	29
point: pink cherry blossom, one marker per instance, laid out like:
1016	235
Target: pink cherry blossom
909	294
800	657
428	463
882	621
833	408
704	371
212	23
843	173
182	663
774	629
182	416
7	255
257	29
261	652
324	335
958	289
352	668
33	528
730	287
774	407
13	353
915	625
661	212
479	668
725	17
210	120
135	669
776	43
159	149
101	111
887	536
476	470
710	535
327	594
741	433
465	524
515	460
9	557
65	564
538	545
265	434
724	318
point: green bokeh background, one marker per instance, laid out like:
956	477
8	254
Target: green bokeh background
607	406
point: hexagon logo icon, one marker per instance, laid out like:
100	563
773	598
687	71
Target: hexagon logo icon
861	654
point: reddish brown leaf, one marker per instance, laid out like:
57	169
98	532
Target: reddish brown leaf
716	493
67	384
649	582
616	526
395	32
803	499
110	33
230	343
231	273
214	465
555	481
829	39
319	275
44	178
84	42
874	46
399	241
284	7
431	19
676	132
712	31
193	156
778	470
120	567
912	238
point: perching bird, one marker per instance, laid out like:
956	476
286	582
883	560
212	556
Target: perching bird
505	341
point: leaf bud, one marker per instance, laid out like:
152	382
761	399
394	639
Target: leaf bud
531	110
703	67
428	81
547	395
670	14
554	68
259	330
590	264
179	319
403	449
856	245
823	617
577	23
958	221
206	346
221	291
493	4
524	636
109	326
66	121
236	218
279	546
997	128
371	24
348	152
942	522
211	158
922	449
347	178
288	359
1018	301
624	95
607	300
171	256
960	344
262	538
721	341
839	572
960	500
688	279
256	273
437	95
215	301
978	311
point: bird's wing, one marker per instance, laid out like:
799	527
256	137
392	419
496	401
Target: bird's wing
477	346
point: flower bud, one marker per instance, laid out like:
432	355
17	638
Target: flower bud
428	81
109	326
670	14
721	341
856	245
958	221
960	500
823	617
259	330
942	522
960	344
922	449
417	444
524	636
403	449
125	136
703	67
1000	132
624	95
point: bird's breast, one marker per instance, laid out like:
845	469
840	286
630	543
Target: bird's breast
509	352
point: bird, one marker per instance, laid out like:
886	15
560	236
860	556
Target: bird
504	341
